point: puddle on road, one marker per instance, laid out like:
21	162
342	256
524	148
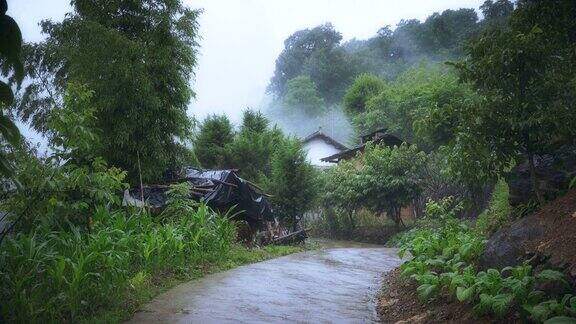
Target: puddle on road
335	284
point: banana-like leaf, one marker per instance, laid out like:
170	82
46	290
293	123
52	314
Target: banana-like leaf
11	45
5	167
6	95
9	130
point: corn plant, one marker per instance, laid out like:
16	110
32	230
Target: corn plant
69	274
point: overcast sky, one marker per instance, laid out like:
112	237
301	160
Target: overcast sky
242	38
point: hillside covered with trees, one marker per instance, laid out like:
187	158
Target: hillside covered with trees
486	108
480	192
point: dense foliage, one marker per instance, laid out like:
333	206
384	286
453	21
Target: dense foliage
319	54
138	57
291	183
524	75
301	94
253	147
10	58
64	189
382	179
210	142
85	273
444	254
364	88
264	156
298	48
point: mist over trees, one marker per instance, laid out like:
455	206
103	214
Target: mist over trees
319	55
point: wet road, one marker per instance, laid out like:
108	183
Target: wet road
332	285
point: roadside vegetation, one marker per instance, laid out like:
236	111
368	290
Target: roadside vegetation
76	253
110	94
486	108
444	255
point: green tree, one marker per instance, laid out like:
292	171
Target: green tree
138	58
211	142
392	178
344	189
297	49
364	88
381	179
447	31
497	12
331	70
10	59
291	183
302	95
526	75
253	121
66	188
253	147
74	134
408	104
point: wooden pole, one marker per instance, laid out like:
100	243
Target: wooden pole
140	175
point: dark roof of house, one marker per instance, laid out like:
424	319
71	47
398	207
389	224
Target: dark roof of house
319	134
369	136
386	139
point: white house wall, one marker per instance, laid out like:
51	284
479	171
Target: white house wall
318	149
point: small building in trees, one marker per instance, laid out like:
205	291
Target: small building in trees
318	145
380	137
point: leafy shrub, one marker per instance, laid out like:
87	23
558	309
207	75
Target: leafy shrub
443	261
367	227
498	213
62	196
382	179
291	183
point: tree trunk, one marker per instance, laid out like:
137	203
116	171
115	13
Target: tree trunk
534	179
395	215
351	218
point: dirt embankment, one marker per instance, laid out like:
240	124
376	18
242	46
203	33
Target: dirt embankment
558	241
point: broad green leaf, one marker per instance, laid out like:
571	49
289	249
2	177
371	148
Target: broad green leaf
464	294
426	291
561	320
9	130
550	275
501	303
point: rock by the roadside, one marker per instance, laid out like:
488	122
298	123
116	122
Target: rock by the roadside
507	247
554	171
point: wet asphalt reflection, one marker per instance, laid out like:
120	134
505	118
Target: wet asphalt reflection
331	285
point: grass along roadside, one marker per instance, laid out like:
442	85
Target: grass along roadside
69	274
144	287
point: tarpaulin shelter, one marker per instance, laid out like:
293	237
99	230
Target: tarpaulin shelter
219	189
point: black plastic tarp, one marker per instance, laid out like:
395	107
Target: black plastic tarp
230	190
227	190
